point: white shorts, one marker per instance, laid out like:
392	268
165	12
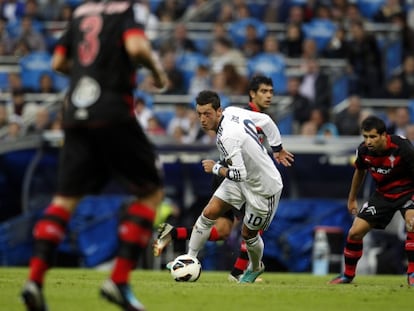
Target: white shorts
260	209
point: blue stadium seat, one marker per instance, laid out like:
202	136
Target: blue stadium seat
271	65
149	100
188	63
164	116
33	66
4	80
369	7
321	30
257	8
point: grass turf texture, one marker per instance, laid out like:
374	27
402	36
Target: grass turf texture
77	290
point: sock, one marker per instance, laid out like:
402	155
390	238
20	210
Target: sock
48	232
242	261
409	249
135	232
199	235
255	248
214	235
352	254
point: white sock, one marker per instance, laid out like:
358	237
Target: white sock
255	248
199	235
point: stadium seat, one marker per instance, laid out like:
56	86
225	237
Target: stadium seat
4	80
149	100
32	67
188	63
271	65
369	7
321	30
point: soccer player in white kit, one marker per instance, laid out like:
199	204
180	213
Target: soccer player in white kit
251	177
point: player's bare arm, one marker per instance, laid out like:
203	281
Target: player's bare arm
357	180
139	49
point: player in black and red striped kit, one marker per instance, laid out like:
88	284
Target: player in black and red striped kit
100	51
390	161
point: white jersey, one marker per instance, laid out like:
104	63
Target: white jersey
246	157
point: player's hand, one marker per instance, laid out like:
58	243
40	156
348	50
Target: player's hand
353	207
208	165
284	157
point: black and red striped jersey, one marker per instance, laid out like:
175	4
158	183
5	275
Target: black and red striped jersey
102	75
392	169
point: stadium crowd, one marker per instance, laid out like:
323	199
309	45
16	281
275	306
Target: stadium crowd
239	43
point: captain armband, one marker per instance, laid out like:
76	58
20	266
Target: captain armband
216	169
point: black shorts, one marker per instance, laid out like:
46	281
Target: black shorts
378	211
91	157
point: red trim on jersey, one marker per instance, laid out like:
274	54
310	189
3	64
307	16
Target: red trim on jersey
253	107
60	49
130	102
133	32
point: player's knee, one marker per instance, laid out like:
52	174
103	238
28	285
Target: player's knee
355	235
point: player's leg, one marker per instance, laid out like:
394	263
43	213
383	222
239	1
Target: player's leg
260	212
48	232
409	245
202	228
353	250
167	233
134	160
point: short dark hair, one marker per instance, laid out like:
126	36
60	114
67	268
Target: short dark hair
373	122
255	82
208	97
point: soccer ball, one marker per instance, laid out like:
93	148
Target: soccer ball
185	268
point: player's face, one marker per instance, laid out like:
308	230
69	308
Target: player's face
263	96
374	141
208	116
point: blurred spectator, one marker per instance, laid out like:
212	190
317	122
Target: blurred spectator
12	10
353	15
226	13
316	85
292	43
15	128
41	122
197	11
179	41
46	84
407	34
296	15
142	112
387	11
365	59
170	10
147	18
5	38
154	127
309	128
18	106
301	105
4	119
56	123
324	127
338	10
32	10
15	83
235	83
309	49
21	48
175	76
219	31
180	123
253	44
224	53
51	9
65	13
32	37
399	121
348	120
337	46
409	132
201	80
407	75
394	89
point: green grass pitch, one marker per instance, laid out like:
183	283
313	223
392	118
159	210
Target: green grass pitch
77	290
